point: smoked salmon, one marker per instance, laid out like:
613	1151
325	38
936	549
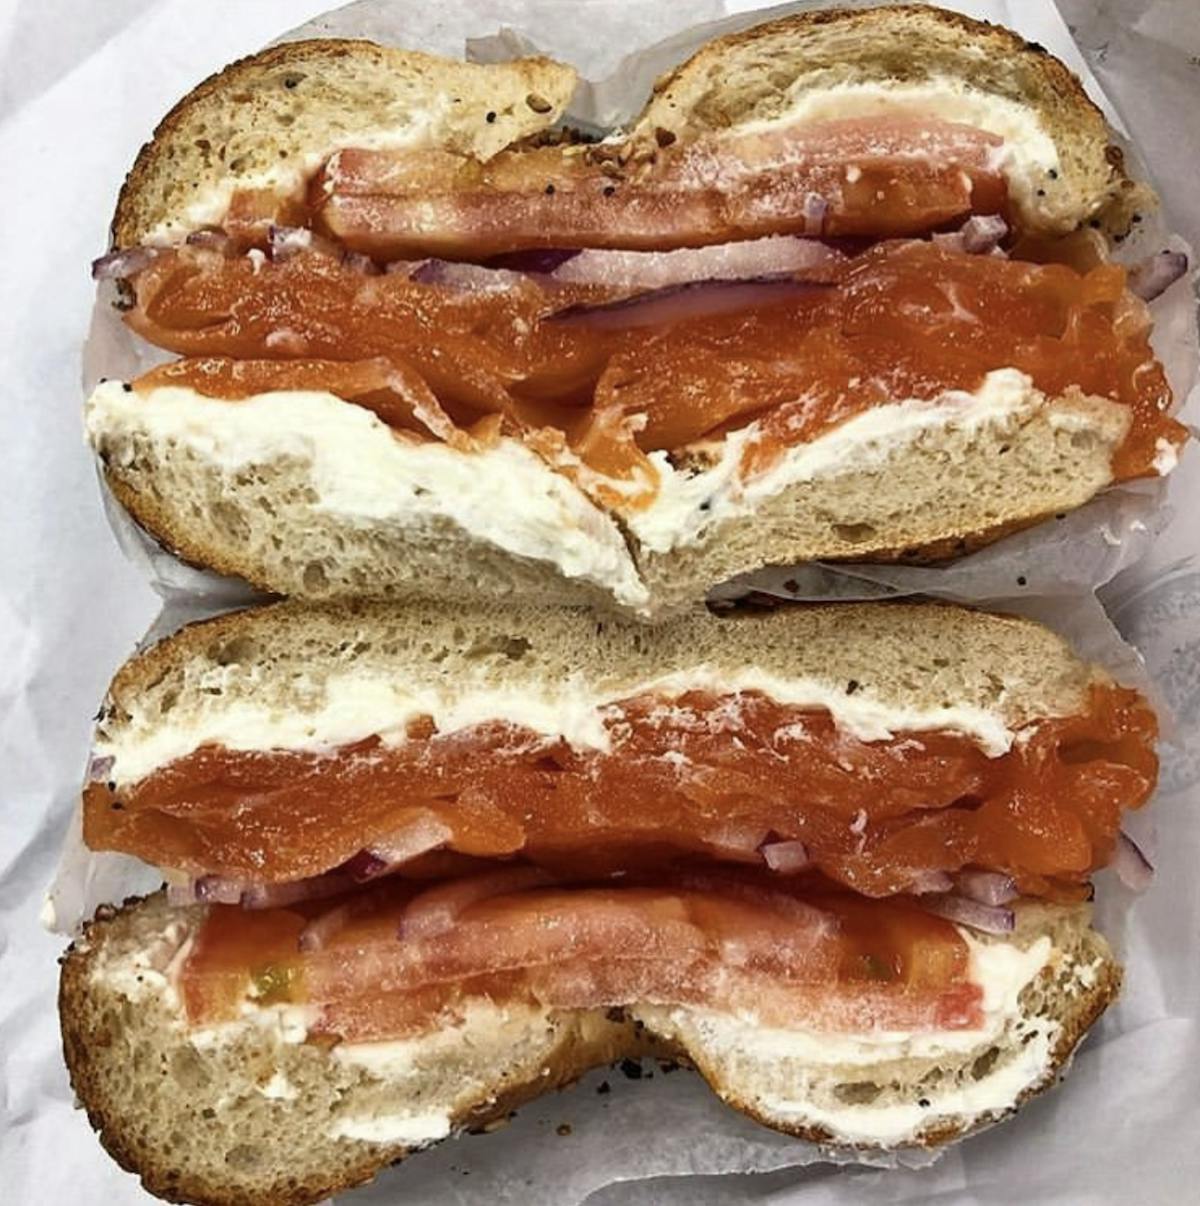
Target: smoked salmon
707	777
900	320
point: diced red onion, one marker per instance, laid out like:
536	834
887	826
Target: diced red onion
120	264
785	857
212	240
182	893
930	881
754	258
364	865
739	842
990	919
982	232
434	912
1135	870
422	834
987	887
287	241
813	212
1157	273
216	889
318	931
700	299
100	767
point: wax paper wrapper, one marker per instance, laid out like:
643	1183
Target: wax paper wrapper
1124	1125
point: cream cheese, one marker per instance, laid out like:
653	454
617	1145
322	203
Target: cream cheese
145	969
1026	158
357	705
997	1091
413	1128
689	503
278	1025
491	1032
209	205
1001	969
1166	457
279	1088
482	1025
365	473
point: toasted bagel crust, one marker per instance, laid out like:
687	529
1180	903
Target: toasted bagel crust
194	1125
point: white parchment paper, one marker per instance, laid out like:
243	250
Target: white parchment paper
80	87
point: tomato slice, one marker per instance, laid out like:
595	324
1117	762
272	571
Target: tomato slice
741	945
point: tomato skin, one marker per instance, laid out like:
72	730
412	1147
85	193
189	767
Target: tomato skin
741	944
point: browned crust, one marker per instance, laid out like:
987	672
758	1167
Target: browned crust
1116	216
998	40
163	526
125	229
1074	1028
84	1031
1002	41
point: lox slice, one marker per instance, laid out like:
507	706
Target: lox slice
900	321
695	775
735	945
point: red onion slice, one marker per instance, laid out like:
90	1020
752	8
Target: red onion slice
118	265
217	889
279	896
1157	273
422	834
987	887
786	858
404	267
1132	866
677	303
434	912
100	767
989	919
755	258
